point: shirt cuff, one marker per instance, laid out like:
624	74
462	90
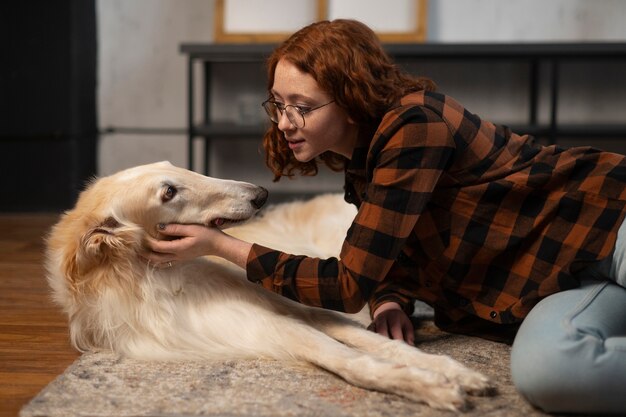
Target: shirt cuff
407	304
261	263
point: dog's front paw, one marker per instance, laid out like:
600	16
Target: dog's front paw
474	383
432	388
447	397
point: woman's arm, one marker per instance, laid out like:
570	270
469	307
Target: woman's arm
191	241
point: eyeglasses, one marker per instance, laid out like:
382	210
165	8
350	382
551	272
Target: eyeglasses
295	114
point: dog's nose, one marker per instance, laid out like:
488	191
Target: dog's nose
260	198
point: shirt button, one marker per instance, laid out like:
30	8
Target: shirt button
493	314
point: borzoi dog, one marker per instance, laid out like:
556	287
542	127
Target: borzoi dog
206	308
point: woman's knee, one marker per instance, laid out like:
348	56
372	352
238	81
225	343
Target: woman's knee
569	380
537	371
562	364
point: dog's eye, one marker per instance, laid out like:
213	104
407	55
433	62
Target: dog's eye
169	193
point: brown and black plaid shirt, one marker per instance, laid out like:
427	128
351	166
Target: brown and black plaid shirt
460	213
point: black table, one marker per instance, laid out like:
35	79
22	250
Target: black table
533	54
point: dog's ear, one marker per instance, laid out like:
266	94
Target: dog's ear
108	240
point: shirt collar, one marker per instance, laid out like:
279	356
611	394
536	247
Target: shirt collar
356	165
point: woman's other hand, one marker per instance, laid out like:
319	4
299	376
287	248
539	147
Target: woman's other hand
392	322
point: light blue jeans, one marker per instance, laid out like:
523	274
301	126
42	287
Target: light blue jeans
569	355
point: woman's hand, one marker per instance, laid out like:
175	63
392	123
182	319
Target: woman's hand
189	241
392	322
192	241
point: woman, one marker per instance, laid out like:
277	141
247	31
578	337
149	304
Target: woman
488	228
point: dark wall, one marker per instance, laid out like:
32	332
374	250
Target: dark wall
48	127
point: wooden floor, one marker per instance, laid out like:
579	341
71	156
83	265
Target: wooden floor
34	345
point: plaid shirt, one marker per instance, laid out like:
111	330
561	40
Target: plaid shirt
460	213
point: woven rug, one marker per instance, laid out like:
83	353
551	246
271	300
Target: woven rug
104	384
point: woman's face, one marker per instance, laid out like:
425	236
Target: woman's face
326	129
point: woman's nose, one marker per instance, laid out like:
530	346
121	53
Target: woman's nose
284	123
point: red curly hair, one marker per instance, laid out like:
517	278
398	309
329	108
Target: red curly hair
347	60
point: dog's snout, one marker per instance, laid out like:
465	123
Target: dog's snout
260	198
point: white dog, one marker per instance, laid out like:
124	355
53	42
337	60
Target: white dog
206	308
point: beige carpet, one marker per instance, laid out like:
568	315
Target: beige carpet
103	384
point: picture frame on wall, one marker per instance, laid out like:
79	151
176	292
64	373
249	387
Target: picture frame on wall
253	21
394	21
270	21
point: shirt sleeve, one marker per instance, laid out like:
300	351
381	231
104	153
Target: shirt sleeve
411	149
397	287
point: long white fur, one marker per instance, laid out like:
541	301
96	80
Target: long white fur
206	308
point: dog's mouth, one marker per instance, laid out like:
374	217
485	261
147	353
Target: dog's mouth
222	222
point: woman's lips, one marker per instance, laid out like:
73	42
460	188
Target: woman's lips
293	144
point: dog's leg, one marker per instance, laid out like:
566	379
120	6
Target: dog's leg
397	351
367	371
